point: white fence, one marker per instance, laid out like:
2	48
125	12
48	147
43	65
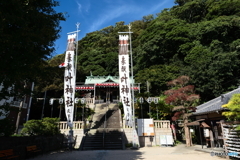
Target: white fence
231	139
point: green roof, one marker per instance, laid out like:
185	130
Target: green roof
103	79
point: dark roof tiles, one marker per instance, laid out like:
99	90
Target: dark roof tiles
215	104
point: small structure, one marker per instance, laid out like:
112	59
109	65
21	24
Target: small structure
208	116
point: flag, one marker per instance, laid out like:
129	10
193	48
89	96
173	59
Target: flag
62	65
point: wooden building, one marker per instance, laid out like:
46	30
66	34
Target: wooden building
207	120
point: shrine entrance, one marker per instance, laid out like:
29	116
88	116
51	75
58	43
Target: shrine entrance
101	89
108	94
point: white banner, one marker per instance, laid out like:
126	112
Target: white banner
69	80
124	79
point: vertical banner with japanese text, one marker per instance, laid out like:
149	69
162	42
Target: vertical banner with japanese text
124	79
69	80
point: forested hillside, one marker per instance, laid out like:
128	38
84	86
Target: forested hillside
196	38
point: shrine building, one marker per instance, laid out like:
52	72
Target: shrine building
99	89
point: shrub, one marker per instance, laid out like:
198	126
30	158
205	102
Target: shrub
6	127
47	127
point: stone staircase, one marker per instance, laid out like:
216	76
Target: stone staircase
93	140
105	131
113	139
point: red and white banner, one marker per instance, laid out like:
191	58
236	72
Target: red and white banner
69	80
124	79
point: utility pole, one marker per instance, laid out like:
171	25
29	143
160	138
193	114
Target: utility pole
44	100
20	111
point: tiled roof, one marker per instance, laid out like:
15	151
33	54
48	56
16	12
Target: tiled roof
215	104
103	79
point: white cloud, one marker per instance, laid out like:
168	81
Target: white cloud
79	7
155	8
83	7
114	11
111	14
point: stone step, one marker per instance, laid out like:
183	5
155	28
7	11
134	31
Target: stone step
112	133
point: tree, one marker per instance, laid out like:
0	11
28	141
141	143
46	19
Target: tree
6	126
161	110
234	106
157	76
196	38
27	34
184	99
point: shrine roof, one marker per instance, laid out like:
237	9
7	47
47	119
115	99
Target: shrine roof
215	104
102	79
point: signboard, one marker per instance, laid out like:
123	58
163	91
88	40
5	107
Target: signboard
166	140
145	127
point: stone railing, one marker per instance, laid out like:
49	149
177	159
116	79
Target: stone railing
161	124
76	125
158	124
97	101
89	100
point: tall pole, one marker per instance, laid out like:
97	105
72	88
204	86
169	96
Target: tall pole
76	50
43	104
51	110
77	25
19	114
133	108
30	102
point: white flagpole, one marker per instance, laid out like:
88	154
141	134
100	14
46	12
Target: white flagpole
133	108
76	50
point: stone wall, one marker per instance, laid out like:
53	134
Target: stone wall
19	144
160	128
78	135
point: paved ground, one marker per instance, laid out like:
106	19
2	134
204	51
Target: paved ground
179	152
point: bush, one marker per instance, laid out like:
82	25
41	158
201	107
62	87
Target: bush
6	127
46	127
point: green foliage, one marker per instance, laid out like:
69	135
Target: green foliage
161	110
46	127
196	38
27	34
157	76
234	106
6	126
83	111
128	145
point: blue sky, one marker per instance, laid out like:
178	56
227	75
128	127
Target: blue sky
95	15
